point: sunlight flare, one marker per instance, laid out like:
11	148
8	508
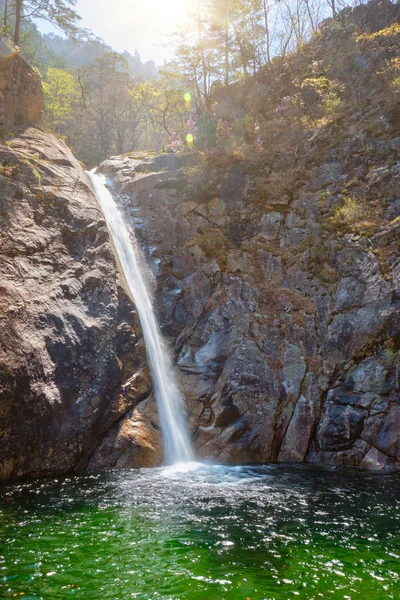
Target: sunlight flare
169	15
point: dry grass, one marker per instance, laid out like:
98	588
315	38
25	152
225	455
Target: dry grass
356	216
213	243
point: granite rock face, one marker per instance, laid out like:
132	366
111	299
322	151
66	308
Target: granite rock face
286	332
71	357
21	93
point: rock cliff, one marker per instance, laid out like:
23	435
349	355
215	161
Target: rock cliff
287	334
278	270
72	361
277	277
71	358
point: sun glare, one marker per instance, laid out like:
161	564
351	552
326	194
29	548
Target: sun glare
170	13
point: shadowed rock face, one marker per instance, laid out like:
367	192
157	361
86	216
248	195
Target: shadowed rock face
70	362
286	333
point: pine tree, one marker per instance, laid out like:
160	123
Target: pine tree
59	13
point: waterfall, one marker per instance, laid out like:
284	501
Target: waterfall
170	404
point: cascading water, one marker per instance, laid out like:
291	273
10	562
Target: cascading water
170	404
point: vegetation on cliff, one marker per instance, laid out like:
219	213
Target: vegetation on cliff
279	60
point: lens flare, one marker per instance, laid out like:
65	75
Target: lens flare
187	96
189	140
7	50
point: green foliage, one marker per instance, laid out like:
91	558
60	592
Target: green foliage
94	98
61	92
59	13
321	84
357	216
103	102
84	48
332	104
100	109
395	87
36	51
321	97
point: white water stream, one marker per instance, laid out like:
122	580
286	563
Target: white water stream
170	404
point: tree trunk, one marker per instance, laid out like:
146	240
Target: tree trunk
5	16
242	51
267	40
18	13
310	16
203	60
226	52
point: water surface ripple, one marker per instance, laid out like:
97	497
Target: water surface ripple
203	532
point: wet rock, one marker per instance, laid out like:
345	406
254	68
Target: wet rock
350	457
377	461
340	426
135	442
388	438
227	415
298	435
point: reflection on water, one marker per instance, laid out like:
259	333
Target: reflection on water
199	531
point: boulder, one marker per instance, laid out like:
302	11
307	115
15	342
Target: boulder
21	93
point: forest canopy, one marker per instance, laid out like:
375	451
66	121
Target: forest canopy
103	102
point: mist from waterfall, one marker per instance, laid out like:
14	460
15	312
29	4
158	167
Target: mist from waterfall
177	447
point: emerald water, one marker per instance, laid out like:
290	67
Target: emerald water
209	532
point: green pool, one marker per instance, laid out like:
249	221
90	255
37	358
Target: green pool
209	532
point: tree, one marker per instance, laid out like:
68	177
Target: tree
167	107
61	92
36	51
5	16
111	104
266	11
59	13
220	16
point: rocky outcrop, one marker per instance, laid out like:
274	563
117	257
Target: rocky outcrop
374	15
71	357
278	271
286	324
277	280
21	93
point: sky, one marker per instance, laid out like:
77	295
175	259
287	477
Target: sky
144	25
